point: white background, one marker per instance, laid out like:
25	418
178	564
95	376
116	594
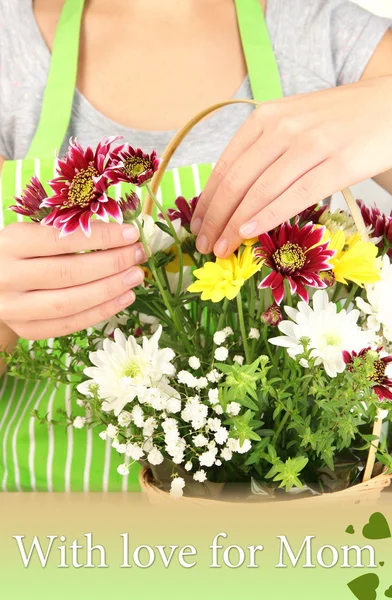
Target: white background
369	191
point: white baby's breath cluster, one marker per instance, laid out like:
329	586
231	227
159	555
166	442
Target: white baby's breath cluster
157	413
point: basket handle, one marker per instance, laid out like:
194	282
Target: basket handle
347	194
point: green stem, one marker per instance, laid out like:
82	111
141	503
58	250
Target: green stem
351	295
242	327
279	430
222	318
174	235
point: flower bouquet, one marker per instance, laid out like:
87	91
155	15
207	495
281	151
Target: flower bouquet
262	375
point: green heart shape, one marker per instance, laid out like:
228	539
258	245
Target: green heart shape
377	528
382	563
364	588
388	593
350	529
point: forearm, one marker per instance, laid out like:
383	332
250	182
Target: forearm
8	340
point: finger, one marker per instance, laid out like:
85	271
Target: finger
232	190
319	183
46	241
41	330
250	131
55	304
70	270
278	178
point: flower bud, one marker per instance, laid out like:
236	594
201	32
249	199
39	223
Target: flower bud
328	277
130	207
272	316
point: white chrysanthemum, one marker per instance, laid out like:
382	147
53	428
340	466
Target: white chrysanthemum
79	422
233	409
254	334
328	332
177	486
194	363
123	365
221	353
173	279
239	359
200	476
155	457
378	307
107	327
156	239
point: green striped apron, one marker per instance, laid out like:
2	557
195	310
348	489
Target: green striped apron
36	457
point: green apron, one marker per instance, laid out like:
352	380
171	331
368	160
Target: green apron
36	457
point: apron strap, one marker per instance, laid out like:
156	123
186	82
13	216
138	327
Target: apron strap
60	89
259	54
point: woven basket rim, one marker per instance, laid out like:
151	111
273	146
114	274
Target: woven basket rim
373	487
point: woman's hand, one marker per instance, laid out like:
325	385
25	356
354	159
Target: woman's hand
46	290
293	153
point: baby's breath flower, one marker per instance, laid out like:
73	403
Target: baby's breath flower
220	337
254	334
226	454
194	363
79	422
221	353
239	359
207	459
200	440
217	408
188	466
134	451
173	405
111	431
221	435
123	469
155	457
214	376
177	486
233	409
200	476
124	418
213	396
138	415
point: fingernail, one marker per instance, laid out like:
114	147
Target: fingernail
140	256
195	226
202	243
248	229
126	299
221	247
131	234
134	277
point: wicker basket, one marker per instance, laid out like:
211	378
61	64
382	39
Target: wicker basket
372	484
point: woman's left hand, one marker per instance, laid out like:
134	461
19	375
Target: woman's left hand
290	154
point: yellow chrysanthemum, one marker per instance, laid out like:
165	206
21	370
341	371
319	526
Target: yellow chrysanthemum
174	265
225	277
354	260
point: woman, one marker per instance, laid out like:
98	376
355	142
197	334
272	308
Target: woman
144	68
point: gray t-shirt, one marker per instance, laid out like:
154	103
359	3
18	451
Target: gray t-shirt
318	44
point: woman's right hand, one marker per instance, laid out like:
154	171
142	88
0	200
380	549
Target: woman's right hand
48	290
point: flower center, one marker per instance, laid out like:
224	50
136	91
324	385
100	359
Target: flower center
379	371
332	339
289	258
135	166
82	189
132	369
